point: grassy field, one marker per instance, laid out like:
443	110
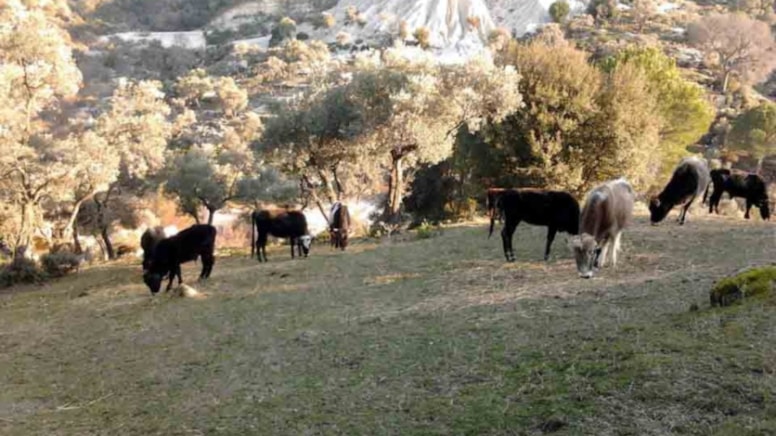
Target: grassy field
434	336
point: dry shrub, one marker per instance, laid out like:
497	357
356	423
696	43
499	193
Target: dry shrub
20	271
60	264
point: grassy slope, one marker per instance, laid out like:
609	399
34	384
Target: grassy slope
428	337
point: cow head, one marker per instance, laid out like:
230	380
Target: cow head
153	281
657	210
585	249
765	211
305	241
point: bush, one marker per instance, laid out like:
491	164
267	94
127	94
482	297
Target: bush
426	230
285	30
20	271
749	283
559	11
60	264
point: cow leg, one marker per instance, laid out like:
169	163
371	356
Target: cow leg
748	206
506	238
207	266
292	242
616	248
714	201
551	231
600	261
684	211
261	246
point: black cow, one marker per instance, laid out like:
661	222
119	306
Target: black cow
339	226
749	186
717	180
148	242
280	224
689	180
557	210
166	259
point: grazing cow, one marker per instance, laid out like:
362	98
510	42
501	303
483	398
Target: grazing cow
148	242
280	224
717	180
689	180
556	210
339	226
608	210
168	255
749	186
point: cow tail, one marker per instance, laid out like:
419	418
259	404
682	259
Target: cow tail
706	193
253	232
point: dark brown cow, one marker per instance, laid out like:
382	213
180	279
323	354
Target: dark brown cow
608	210
749	186
556	210
148	242
339	226
280	224
688	182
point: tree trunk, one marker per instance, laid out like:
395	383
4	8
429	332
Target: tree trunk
76	243
24	237
108	244
211	215
760	165
725	81
396	187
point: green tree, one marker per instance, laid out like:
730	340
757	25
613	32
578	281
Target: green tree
754	132
684	109
283	31
559	11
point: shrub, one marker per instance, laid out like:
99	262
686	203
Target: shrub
752	282
285	30
423	36
60	264
559	11
427	231
327	20
21	270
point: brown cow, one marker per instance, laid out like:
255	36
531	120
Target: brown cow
608	210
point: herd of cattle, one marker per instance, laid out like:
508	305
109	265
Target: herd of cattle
595	229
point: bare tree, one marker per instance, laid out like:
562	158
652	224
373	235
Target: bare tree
741	46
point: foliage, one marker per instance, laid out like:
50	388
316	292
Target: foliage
431	191
603	10
423	36
579	126
326	20
60	264
739	46
283	31
559	11
427	231
20	271
684	109
752	282
642	11
754	132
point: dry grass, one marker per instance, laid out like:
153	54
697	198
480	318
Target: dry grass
437	336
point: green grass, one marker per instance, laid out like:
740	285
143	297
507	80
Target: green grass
431	336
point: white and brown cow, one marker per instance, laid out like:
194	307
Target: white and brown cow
607	211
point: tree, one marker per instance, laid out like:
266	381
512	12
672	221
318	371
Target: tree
209	155
423	36
603	10
559	11
754	132
283	31
136	127
684	109
741	46
413	111
36	70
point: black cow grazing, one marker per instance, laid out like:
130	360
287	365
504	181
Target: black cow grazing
556	210
717	180
148	242
166	259
689	180
608	210
339	226
749	186
280	224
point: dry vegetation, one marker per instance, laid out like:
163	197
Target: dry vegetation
434	336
